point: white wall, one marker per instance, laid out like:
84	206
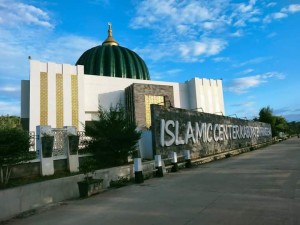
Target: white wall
111	90
106	91
52	69
206	94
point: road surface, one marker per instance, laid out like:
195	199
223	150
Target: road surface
257	188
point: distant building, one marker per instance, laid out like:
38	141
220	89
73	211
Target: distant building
65	95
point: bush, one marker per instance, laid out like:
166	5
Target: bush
120	182
88	168
14	148
113	137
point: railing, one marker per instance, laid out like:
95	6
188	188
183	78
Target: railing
59	136
59	141
32	138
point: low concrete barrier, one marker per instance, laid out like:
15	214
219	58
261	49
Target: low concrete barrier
28	197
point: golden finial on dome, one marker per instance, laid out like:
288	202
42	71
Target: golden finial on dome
110	40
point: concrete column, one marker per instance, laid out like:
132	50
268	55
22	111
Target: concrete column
174	162
44	149
71	145
138	171
187	157
158	166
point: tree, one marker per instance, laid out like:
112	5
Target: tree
278	123
266	116
294	127
14	148
9	122
281	124
113	137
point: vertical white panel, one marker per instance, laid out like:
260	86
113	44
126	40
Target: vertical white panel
81	93
202	95
51	94
192	94
184	101
67	95
178	103
34	105
216	105
221	97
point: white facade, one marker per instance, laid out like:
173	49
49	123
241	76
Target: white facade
62	95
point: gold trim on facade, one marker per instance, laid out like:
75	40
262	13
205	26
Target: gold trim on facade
151	99
59	101
74	96
43	98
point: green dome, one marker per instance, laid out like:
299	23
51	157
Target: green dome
110	59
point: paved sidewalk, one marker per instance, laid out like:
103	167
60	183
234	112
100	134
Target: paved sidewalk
256	188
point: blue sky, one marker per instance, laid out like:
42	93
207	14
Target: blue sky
254	46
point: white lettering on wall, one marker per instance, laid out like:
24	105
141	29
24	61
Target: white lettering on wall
170	133
200	132
178	140
216	127
206	132
209	132
189	133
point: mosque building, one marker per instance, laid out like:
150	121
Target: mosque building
69	95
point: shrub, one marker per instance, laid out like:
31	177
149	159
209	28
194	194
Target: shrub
14	148
88	168
120	182
113	137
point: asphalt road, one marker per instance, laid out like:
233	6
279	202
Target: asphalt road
256	188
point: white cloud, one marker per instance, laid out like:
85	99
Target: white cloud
221	59
238	33
271	4
243	104
246	71
273	34
149	12
253	61
10	89
209	25
278	15
293	8
10	108
183	51
27	30
242	85
274	16
206	47
161	75
16	13
283	13
73	46
187	23
246	8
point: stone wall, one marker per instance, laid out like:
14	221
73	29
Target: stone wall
135	99
220	133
